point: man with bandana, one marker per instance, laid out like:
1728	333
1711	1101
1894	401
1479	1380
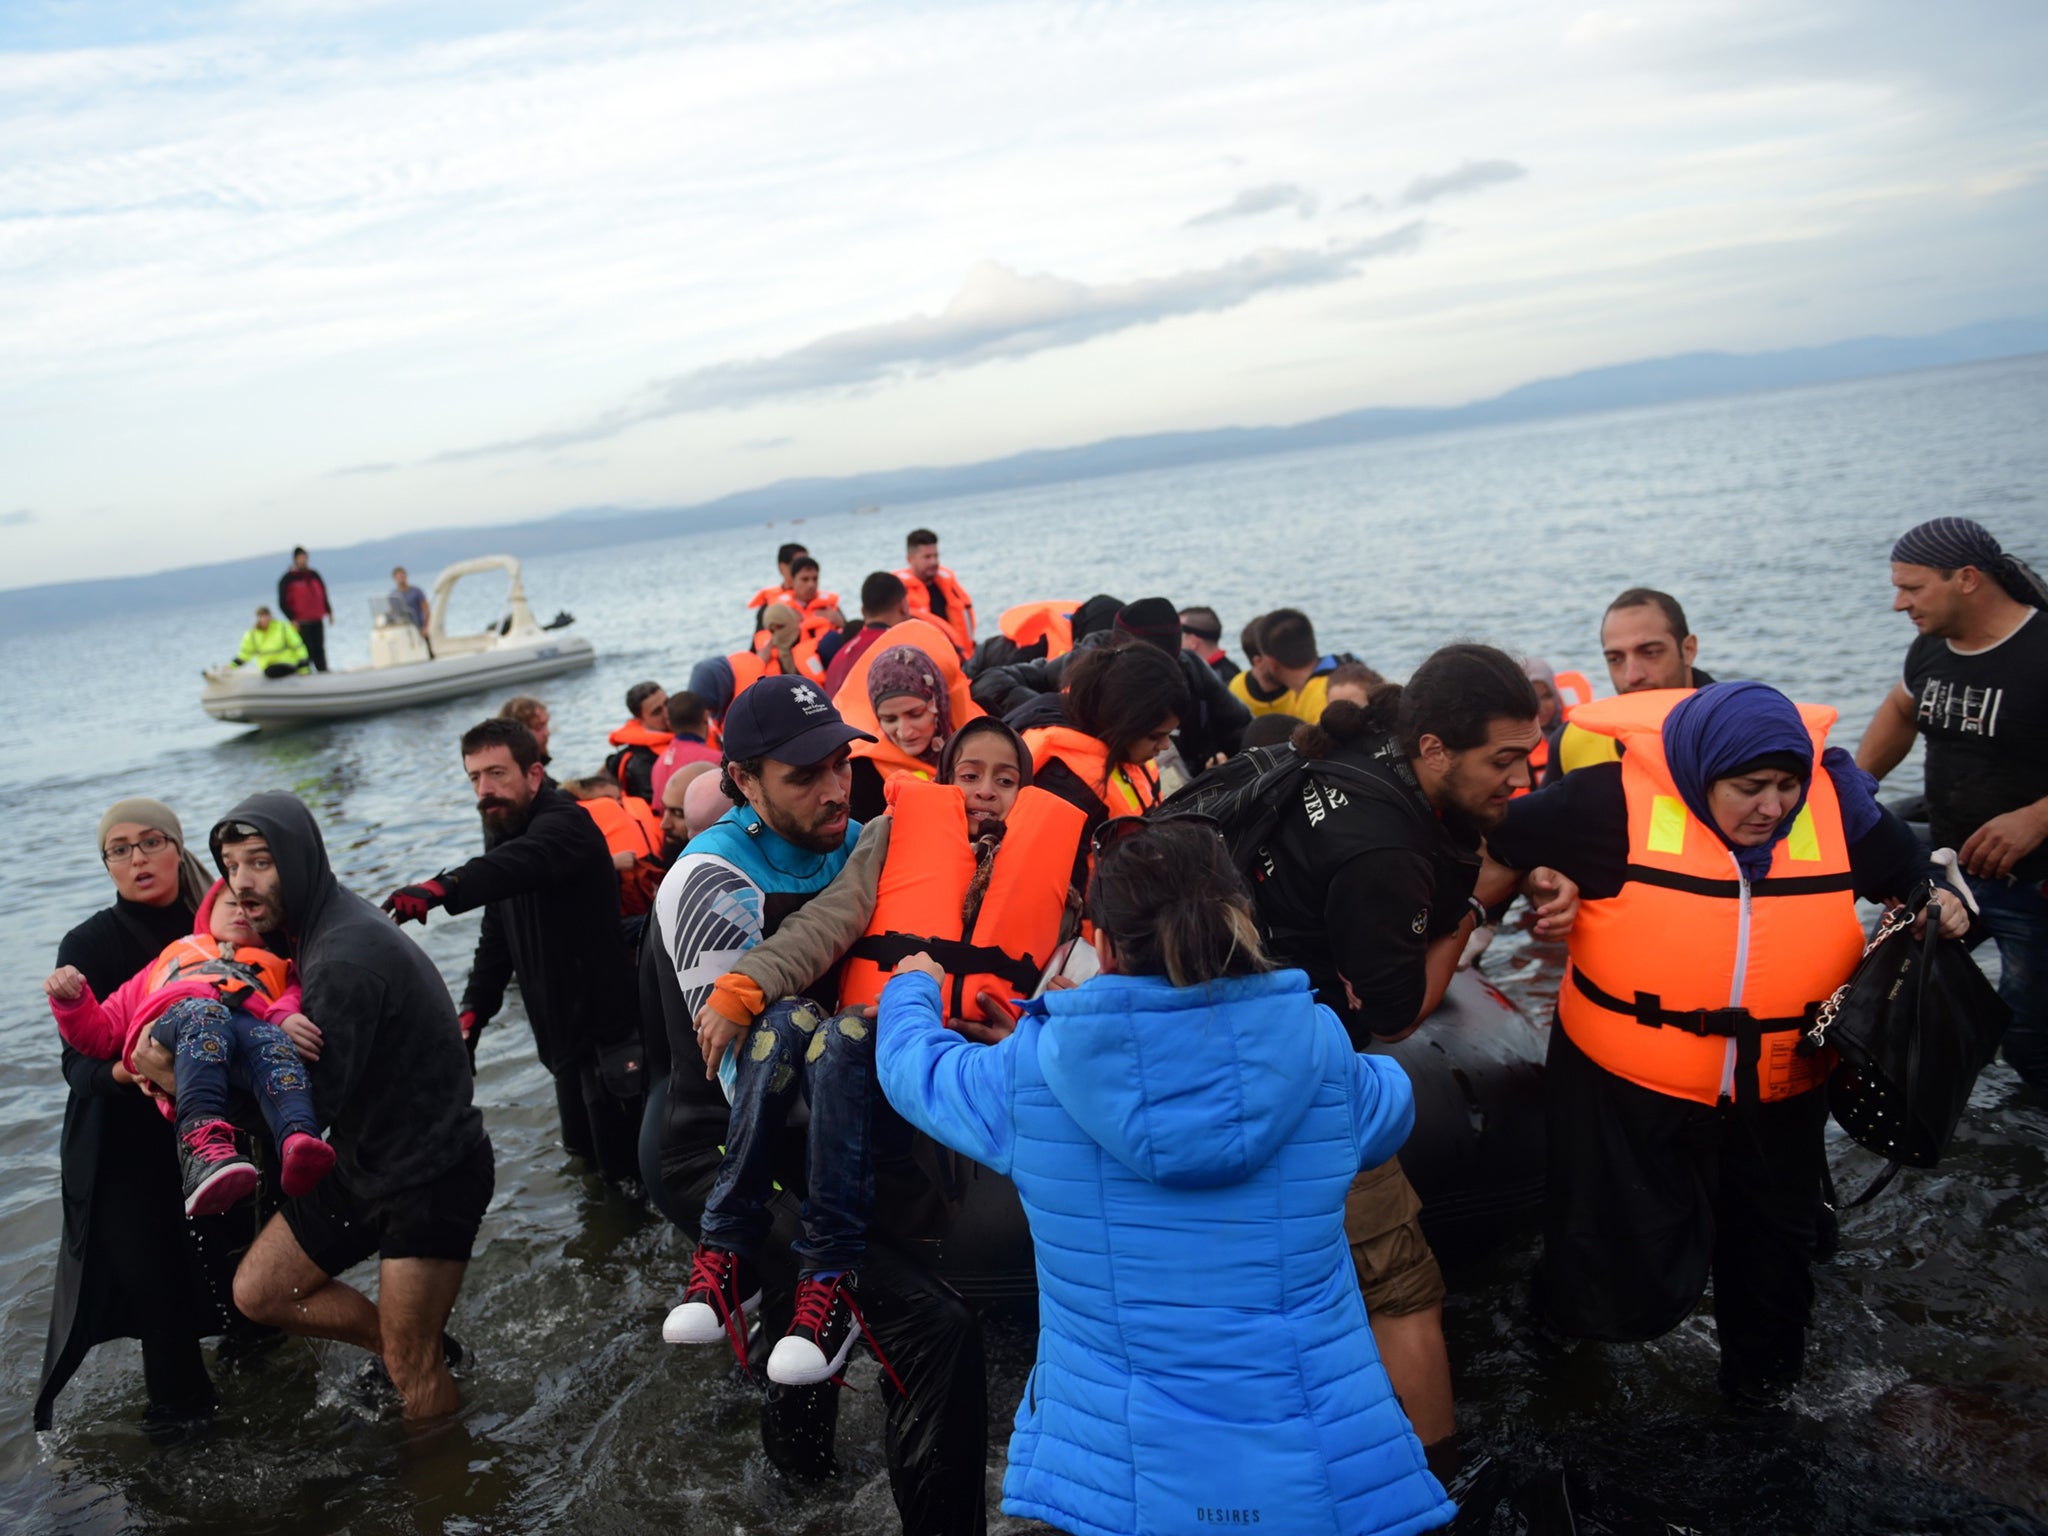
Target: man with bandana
1976	687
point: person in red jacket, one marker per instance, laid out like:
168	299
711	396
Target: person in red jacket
303	597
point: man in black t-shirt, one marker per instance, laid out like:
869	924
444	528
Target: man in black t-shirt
1370	891
1976	687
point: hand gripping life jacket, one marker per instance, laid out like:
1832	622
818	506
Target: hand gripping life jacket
858	710
804	653
959	620
1693	981
923	886
814	619
235	971
1126	790
1052	622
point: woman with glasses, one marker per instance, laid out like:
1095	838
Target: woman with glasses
127	1268
1182	1130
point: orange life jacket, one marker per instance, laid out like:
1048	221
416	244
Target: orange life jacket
959	620
628	823
1128	789
630	735
1052	622
814	619
1573	689
235	971
768	595
923	885
1692	981
630	826
858	710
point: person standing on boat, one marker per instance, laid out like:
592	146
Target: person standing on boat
408	603
413	1169
1647	645
1372	893
785	836
934	593
273	644
128	1267
1719	860
1976	686
302	597
550	894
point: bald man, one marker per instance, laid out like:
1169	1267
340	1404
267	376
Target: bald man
676	830
704	802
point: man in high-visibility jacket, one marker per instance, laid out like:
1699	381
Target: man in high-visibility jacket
274	645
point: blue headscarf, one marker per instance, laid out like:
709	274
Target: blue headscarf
1711	733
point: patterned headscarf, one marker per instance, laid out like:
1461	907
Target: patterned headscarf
905	670
1946	543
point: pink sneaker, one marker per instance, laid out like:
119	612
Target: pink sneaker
304	1162
217	1176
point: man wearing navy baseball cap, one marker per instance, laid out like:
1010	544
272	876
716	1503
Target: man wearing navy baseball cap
836	1270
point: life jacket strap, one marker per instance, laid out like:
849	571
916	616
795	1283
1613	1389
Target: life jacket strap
1648	1009
960	959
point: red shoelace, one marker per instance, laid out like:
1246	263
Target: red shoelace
213	1142
715	1271
814	1305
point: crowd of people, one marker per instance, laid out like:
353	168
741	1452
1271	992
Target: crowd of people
1096	906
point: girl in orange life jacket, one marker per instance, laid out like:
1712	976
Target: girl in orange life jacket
1718	863
1008	889
1123	703
908	692
229	1009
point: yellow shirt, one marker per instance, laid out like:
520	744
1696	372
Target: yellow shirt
1305	703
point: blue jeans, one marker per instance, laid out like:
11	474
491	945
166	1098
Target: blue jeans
2016	912
218	1048
793	1050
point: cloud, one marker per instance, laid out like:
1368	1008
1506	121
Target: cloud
1469	177
1253	201
20	517
997	315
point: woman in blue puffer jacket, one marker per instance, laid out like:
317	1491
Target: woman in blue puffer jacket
1182	1130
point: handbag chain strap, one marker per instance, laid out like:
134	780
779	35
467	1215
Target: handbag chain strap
1894	921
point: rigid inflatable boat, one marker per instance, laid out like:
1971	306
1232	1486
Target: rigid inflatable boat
407	667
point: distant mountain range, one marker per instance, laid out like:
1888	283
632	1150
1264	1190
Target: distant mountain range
1656	381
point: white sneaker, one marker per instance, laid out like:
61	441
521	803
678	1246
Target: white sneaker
721	1298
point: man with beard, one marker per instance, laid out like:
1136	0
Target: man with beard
413	1169
1368	885
1647	645
551	917
787	835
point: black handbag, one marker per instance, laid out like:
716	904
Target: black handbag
1913	1026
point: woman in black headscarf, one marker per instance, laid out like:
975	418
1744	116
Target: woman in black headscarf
126	1244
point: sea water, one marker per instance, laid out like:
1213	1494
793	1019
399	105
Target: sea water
1769	516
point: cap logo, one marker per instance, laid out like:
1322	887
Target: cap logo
805	695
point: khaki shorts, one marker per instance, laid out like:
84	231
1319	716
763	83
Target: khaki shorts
1396	1271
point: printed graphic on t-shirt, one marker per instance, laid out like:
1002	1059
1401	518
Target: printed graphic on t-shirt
1946	706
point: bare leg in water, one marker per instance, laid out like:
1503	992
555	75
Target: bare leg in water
277	1284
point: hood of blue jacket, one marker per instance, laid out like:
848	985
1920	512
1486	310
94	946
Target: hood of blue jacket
1188	1087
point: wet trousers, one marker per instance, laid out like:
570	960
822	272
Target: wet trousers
219	1048
935	1430
793	1052
597	1125
2016	912
1648	1194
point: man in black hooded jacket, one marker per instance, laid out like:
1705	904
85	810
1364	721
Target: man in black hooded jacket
550	896
413	1169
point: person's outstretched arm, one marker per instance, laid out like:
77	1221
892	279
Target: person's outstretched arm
953	1090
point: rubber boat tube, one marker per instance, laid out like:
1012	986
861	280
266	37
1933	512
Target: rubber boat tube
1476	1155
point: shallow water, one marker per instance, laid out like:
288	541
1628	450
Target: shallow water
1927	1400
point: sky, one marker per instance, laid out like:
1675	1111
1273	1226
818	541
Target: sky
321	270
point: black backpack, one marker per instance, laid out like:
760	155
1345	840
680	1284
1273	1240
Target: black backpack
1247	794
